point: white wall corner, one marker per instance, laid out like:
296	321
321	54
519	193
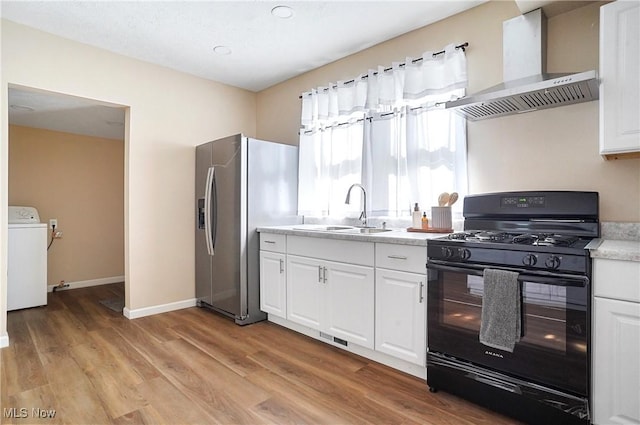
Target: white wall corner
4	341
157	309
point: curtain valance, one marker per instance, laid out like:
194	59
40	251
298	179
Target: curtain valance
414	79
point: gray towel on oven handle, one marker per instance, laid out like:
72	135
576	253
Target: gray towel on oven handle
501	303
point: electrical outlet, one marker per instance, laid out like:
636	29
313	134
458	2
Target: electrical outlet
53	222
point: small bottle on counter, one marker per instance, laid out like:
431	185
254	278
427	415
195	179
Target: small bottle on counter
425	221
416	217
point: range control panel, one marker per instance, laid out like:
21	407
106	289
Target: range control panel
522	202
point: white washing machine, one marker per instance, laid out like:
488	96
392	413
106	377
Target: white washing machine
27	265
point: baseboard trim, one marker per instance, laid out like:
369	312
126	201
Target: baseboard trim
87	283
157	309
4	341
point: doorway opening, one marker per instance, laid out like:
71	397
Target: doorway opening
67	159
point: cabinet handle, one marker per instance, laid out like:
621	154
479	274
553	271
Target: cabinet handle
324	275
281	266
397	257
272	242
421	292
320	274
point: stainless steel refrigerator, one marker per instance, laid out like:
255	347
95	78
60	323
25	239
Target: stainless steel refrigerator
241	183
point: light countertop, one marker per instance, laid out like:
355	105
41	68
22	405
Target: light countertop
614	249
396	236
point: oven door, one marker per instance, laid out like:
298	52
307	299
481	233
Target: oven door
552	350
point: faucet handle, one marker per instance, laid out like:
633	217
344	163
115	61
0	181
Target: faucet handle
384	224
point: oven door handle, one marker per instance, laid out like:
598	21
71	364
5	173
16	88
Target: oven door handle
547	279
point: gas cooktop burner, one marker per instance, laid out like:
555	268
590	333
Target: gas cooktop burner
459	236
519	239
558	240
479	236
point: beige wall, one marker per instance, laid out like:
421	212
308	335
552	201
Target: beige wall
554	149
78	180
168	114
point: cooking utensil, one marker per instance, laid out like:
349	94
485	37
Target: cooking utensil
443	199
452	198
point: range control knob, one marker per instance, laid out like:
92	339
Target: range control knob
553	262
464	253
447	252
530	260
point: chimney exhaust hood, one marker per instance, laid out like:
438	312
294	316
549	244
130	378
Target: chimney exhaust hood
527	86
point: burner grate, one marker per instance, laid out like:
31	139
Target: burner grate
489	236
533	239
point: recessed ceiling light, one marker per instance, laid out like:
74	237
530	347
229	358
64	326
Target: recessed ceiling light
222	50
283	12
21	108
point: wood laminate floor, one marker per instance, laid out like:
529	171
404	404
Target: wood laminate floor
93	366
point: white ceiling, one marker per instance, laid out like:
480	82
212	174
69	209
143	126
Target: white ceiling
265	50
69	114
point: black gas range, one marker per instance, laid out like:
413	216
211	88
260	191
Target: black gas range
544	231
542	237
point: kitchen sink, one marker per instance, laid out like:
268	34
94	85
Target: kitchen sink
333	228
341	229
317	228
365	230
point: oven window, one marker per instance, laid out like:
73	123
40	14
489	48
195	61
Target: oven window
543	309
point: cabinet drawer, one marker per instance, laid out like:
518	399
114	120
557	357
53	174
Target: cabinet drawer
273	242
343	251
616	279
401	257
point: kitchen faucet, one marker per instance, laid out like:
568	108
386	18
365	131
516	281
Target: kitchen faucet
363	215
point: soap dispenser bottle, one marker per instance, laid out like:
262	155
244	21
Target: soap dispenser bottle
416	217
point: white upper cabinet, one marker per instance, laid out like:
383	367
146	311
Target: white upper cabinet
620	79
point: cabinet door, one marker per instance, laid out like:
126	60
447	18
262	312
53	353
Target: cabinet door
616	367
401	315
304	280
273	291
619	70
348	303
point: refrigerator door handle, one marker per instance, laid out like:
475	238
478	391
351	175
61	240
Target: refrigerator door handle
209	224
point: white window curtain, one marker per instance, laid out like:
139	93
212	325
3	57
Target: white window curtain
330	160
402	152
412	155
414	79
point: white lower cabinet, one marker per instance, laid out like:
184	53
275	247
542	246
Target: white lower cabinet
617	365
330	287
304	278
616	342
332	297
401	305
273	277
401	315
273	283
370	297
349	303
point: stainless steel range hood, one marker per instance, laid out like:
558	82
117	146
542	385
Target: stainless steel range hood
527	86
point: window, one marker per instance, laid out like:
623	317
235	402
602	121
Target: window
392	139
